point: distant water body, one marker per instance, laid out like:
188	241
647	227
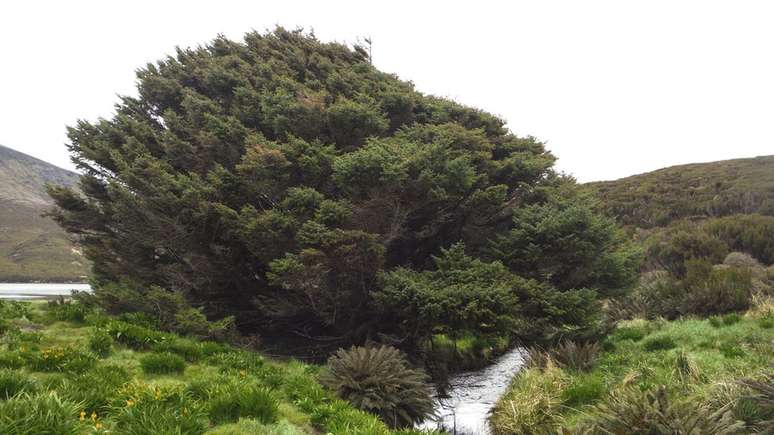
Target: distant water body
26	291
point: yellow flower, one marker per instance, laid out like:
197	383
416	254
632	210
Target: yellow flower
93	416
98	426
83	415
130	403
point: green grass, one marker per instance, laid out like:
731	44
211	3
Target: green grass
73	377
691	357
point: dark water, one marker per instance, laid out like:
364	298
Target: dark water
27	291
473	394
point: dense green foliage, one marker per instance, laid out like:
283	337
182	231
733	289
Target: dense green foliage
741	186
651	377
380	381
221	389
290	184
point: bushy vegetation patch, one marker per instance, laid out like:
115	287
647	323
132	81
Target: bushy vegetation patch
532	402
220	388
101	342
660	342
162	363
40	413
230	403
679	372
13	382
380	381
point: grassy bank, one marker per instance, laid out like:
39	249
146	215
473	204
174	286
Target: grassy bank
693	362
65	370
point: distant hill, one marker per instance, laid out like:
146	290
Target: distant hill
722	188
32	247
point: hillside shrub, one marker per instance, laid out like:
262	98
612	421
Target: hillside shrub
162	363
380	381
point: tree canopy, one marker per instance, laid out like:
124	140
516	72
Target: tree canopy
289	183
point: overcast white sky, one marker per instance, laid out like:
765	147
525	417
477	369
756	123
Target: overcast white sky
614	87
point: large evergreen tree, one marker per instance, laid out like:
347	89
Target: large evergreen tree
282	179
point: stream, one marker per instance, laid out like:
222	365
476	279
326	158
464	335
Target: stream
473	394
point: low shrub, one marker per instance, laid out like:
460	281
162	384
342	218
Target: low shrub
715	321
379	380
656	343
237	360
12	359
731	350
13	382
136	337
635	412
42	413
101	342
731	318
575	356
61	359
188	349
584	390
629	333
231	403
15	310
162	363
95	389
141	409
68	311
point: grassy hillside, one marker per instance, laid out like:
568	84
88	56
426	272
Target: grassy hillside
32	247
739	186
65	369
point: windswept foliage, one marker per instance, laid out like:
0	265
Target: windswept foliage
281	179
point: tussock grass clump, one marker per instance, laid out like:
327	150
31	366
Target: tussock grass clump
95	389
134	336
660	342
531	403
760	402
43	413
162	363
141	409
13	382
583	390
190	350
575	356
101	343
61	359
635	412
233	402
380	381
